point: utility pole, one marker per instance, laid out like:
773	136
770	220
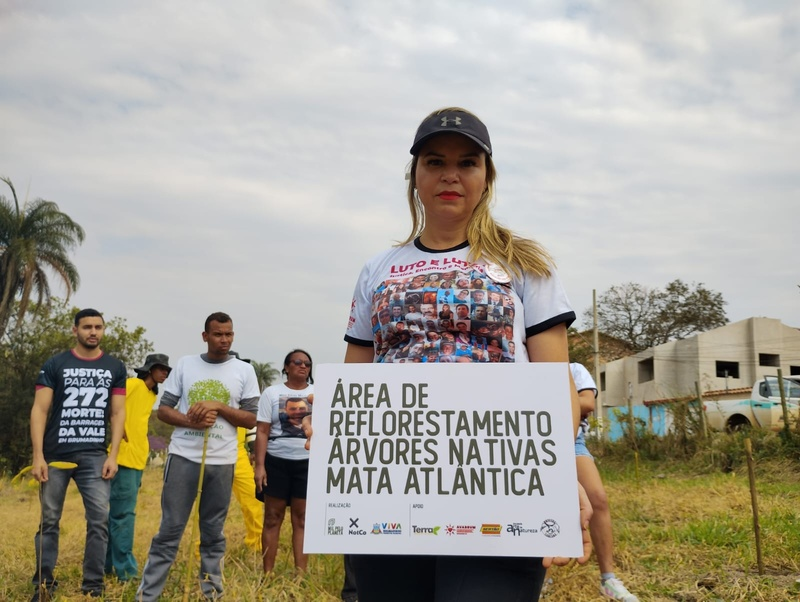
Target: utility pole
631	424
598	406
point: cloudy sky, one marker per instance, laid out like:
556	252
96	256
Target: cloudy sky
249	156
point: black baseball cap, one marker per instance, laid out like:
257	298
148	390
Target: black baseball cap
458	122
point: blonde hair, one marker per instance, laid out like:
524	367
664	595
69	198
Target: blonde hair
487	239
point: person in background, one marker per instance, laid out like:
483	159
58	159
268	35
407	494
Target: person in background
244	486
83	375
206	397
589	477
450	189
281	470
244	490
140	400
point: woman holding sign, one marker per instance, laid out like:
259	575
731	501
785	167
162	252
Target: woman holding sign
450	190
281	470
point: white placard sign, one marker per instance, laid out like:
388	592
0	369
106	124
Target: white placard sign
443	459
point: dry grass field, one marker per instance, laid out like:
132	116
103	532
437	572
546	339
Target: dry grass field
681	536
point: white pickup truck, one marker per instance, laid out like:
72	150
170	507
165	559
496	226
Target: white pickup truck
763	409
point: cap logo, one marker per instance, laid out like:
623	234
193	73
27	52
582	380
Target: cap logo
455	120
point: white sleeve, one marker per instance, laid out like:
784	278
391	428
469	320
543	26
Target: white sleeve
359	325
251	384
174	382
265	406
544	302
583	380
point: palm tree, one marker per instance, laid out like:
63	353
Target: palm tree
32	240
265	373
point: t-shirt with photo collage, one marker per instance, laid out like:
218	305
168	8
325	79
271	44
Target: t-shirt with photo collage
287	440
414	304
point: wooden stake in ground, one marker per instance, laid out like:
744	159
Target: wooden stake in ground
787	434
703	424
194	518
748	447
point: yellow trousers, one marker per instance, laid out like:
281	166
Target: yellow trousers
244	488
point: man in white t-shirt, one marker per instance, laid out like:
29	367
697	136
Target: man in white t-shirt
206	398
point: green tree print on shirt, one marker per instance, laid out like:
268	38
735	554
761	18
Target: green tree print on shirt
209	390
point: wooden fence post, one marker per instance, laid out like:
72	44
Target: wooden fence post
786	432
748	447
703	423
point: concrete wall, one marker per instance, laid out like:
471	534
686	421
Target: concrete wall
670	370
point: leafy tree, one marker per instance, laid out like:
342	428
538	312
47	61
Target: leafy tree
581	348
33	240
265	373
29	342
643	317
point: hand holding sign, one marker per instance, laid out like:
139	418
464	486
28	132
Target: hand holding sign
306	425
586	515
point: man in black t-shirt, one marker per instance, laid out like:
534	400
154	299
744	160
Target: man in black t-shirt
79	393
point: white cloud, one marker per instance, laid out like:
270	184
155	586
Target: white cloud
249	157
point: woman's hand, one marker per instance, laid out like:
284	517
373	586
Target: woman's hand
261	477
585	516
306	426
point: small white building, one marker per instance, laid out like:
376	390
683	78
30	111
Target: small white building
726	362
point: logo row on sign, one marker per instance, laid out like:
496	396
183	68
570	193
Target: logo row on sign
549	528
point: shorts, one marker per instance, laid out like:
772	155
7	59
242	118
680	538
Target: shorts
286	479
580	445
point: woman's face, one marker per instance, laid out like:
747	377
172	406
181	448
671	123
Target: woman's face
450	179
299	372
